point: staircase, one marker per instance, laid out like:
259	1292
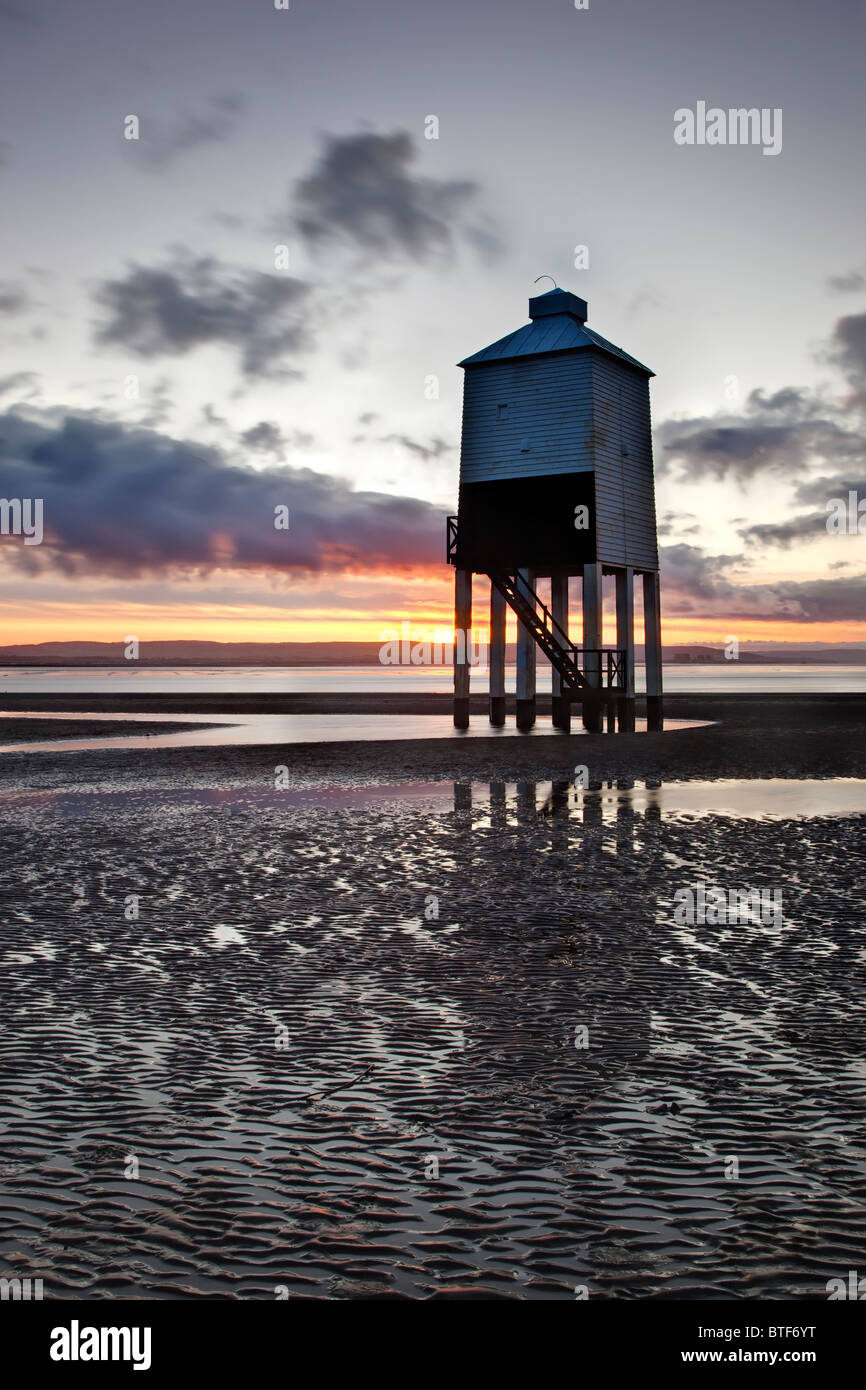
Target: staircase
537	618
562	654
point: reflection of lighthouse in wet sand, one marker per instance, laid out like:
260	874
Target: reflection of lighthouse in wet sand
582	1018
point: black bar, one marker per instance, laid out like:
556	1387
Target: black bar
201	1338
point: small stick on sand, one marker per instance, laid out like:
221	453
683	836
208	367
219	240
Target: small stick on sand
343	1087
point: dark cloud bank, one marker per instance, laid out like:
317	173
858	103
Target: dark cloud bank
132	502
695	583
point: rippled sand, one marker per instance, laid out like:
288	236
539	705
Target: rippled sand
288	1037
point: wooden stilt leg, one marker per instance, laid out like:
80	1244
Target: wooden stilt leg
561	705
592	629
525	666
497	656
462	624
625	642
653	649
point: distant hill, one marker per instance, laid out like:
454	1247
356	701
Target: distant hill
781	653
193	654
367	654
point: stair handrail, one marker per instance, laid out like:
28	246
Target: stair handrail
556	630
611	660
450	539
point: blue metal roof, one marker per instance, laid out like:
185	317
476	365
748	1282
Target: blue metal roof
562	332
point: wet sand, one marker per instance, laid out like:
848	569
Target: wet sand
321	1004
748	736
25	730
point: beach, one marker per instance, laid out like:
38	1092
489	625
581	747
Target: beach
755	735
417	1019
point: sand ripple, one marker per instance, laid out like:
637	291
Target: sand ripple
288	1042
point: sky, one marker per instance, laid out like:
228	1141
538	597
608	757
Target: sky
237	274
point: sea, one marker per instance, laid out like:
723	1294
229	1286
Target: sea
686	679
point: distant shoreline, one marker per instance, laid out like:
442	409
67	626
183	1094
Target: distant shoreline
855	658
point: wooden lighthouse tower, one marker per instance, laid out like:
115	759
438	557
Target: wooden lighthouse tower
556	482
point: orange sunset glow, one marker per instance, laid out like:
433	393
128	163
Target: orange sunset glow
35	622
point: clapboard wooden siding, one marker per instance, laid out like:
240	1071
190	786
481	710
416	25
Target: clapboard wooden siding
622	458
570	412
554	397
548	407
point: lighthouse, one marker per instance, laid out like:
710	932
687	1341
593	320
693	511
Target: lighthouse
556	484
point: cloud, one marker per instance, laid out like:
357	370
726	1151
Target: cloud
268	438
759	443
847	351
172	309
813	492
158	404
211	417
434	450
265	437
160	144
24	384
783	435
14	298
644	301
821	600
690	573
365	193
131	502
808	527
786	433
674	523
851	283
697	583
818	491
